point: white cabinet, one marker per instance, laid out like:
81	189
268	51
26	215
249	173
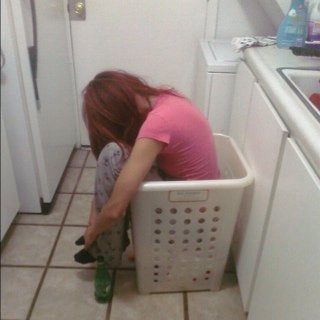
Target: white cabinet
9	196
214	83
262	147
240	103
288	279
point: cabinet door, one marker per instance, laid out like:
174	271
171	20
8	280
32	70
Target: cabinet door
240	104
288	280
263	147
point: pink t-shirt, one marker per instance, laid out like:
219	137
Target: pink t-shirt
190	152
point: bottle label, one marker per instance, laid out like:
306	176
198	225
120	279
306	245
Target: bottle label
188	195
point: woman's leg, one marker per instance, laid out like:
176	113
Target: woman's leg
113	242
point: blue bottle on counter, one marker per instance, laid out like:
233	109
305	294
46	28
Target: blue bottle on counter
293	28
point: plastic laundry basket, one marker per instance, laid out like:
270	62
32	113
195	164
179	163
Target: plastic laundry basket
182	230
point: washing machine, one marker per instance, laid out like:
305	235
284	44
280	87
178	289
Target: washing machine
214	82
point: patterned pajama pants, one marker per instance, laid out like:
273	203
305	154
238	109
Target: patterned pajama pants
112	243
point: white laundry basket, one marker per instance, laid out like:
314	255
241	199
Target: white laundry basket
182	230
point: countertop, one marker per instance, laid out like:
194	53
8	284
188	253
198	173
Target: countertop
302	125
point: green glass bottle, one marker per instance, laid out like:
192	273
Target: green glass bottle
102	282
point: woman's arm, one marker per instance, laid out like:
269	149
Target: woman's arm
138	165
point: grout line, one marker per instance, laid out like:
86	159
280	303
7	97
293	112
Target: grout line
185	306
8	265
35	297
75	225
37	224
61	224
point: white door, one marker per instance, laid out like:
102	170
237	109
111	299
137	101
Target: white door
41	44
288	279
263	145
156	40
56	106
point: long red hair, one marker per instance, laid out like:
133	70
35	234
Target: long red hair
110	110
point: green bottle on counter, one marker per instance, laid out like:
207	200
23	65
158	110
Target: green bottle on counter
102	282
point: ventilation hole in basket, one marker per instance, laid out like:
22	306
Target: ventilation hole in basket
213	239
155	273
156	266
155	280
157	231
194	279
158	210
200	230
158	221
215	219
199	240
186	231
198	249
185	241
203	209
214	229
206	278
173	210
201	220
157	241
187	210
171	241
170	251
208	272
173	221
187	221
172	232
216	208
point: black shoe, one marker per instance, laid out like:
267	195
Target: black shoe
88	255
80	241
83	257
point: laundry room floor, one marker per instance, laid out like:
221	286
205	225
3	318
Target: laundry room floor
41	281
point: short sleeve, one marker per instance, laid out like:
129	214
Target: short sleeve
155	127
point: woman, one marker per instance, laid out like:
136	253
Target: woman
131	127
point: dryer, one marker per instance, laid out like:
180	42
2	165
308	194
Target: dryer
215	75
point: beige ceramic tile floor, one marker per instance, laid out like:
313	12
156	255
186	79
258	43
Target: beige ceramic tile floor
40	280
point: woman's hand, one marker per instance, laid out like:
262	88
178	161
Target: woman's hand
138	165
89	236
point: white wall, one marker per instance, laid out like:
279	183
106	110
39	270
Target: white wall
242	18
275	9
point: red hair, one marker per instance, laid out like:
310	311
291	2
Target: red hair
110	110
